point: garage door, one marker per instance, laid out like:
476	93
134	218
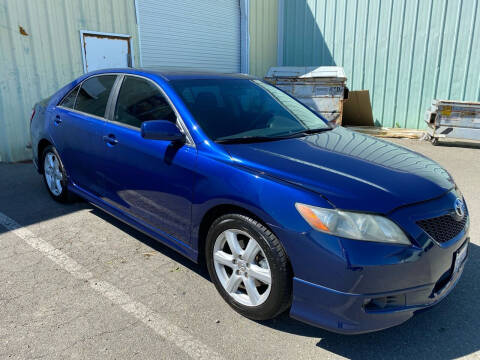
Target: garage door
190	33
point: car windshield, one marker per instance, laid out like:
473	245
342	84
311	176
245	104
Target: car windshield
233	109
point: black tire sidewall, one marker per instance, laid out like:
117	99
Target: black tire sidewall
63	196
275	301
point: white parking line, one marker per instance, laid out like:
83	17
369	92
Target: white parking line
186	342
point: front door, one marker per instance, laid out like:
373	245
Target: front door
151	180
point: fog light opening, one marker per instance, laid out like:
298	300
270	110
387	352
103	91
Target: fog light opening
384	302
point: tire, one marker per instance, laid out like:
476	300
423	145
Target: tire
274	298
59	192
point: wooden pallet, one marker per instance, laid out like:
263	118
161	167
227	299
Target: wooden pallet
388	132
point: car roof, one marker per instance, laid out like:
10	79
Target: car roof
180	74
186	74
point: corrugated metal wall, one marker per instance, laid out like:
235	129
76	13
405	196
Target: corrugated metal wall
263	35
406	52
40	52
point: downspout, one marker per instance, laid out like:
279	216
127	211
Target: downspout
280	25
245	36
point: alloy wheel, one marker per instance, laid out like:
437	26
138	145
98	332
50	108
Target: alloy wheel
53	174
242	267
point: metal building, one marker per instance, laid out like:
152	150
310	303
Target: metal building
44	44
41	50
405	52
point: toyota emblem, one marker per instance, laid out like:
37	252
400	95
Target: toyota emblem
459	208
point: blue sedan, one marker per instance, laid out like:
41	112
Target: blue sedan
350	233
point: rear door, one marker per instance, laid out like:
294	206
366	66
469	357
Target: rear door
78	126
57	126
150	180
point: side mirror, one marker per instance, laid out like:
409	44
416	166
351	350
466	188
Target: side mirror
162	130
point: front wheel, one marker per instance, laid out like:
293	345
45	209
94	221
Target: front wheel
248	266
54	175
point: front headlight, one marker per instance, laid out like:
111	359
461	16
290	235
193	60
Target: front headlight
353	225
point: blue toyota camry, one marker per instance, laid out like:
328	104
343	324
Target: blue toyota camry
349	232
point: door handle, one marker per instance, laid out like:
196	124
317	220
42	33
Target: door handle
57	120
110	139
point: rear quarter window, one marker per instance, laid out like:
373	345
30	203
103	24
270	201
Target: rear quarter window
69	100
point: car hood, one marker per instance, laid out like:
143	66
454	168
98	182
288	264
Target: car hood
352	170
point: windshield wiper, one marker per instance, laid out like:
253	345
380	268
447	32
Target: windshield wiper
316	131
250	139
245	139
307	132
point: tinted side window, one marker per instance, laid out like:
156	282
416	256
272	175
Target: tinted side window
93	95
69	100
140	100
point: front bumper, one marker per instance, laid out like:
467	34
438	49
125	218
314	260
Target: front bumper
350	313
352	286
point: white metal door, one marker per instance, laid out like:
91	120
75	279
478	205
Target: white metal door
103	51
190	34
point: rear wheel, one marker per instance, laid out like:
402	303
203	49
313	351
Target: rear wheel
248	266
54	175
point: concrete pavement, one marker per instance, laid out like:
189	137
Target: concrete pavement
76	283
